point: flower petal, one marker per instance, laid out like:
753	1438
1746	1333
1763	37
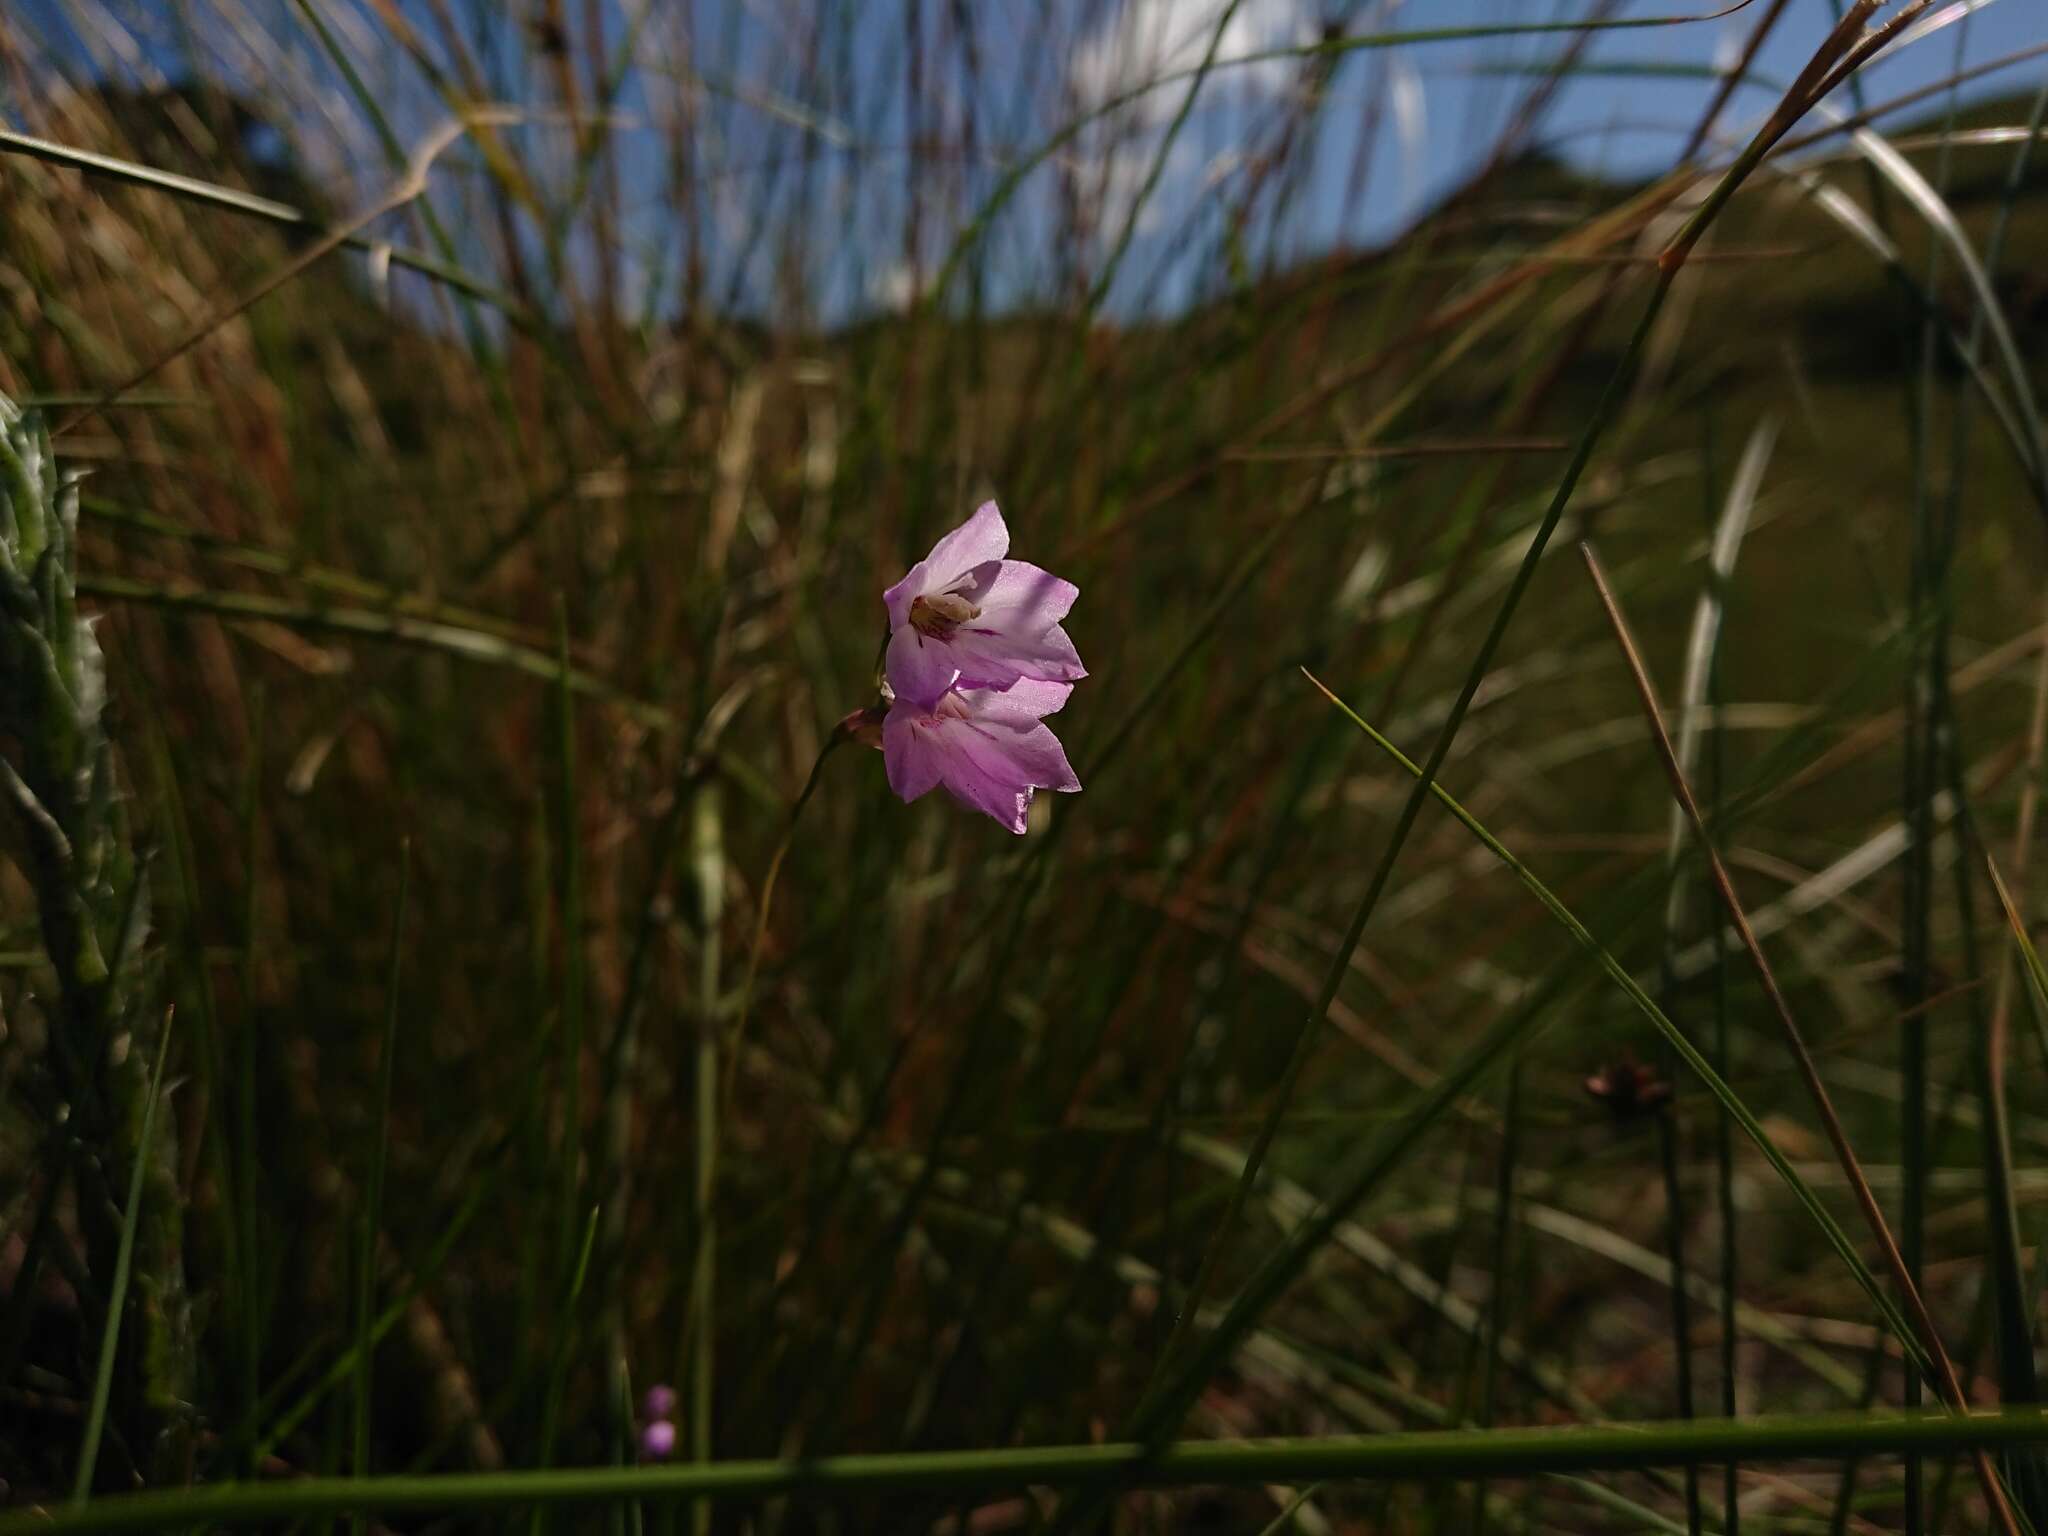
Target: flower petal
1022	705
1010	745
982	776
1019	598
911	752
982	538
899	597
1037	755
919	669
993	659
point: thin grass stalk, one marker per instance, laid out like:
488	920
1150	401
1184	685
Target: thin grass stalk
1701	650
1999	1045
2018	1378
117	1289
372	1217
563	1353
2037	728
394	155
411	185
1593	951
1669	1158
2036	972
1497	1300
1928	1335
707	836
1982	1312
1927	616
1701	700
252	1310
736	1037
283	1422
400	628
977	229
569	898
1158	1405
2001	1307
621	1099
1724	1125
1520	414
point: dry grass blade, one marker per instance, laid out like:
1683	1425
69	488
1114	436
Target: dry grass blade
2037	974
2022	843
1704	639
1946	1380
408	187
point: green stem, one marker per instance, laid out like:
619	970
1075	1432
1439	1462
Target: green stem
103	1378
373	1186
1391	1457
708	840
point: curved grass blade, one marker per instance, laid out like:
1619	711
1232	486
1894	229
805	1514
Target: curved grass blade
233	200
396	627
1935	1361
2037	974
1699	1065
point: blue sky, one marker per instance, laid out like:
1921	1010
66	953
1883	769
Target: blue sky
839	151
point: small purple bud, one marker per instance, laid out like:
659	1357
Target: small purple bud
660	1403
864	726
658	1441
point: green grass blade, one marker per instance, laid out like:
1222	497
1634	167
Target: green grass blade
373	1185
1698	1064
117	1293
2030	956
1403	1457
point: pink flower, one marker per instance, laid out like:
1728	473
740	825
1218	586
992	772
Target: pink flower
992	750
964	617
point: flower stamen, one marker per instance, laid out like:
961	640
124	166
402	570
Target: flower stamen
937	615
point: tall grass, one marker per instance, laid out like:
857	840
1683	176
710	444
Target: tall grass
473	451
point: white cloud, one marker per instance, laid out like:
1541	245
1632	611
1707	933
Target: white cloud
897	286
1146	40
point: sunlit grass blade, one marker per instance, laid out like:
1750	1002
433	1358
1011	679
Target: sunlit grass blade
399	628
1159	1412
235	200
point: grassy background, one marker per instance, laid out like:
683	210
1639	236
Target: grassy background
970	1133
